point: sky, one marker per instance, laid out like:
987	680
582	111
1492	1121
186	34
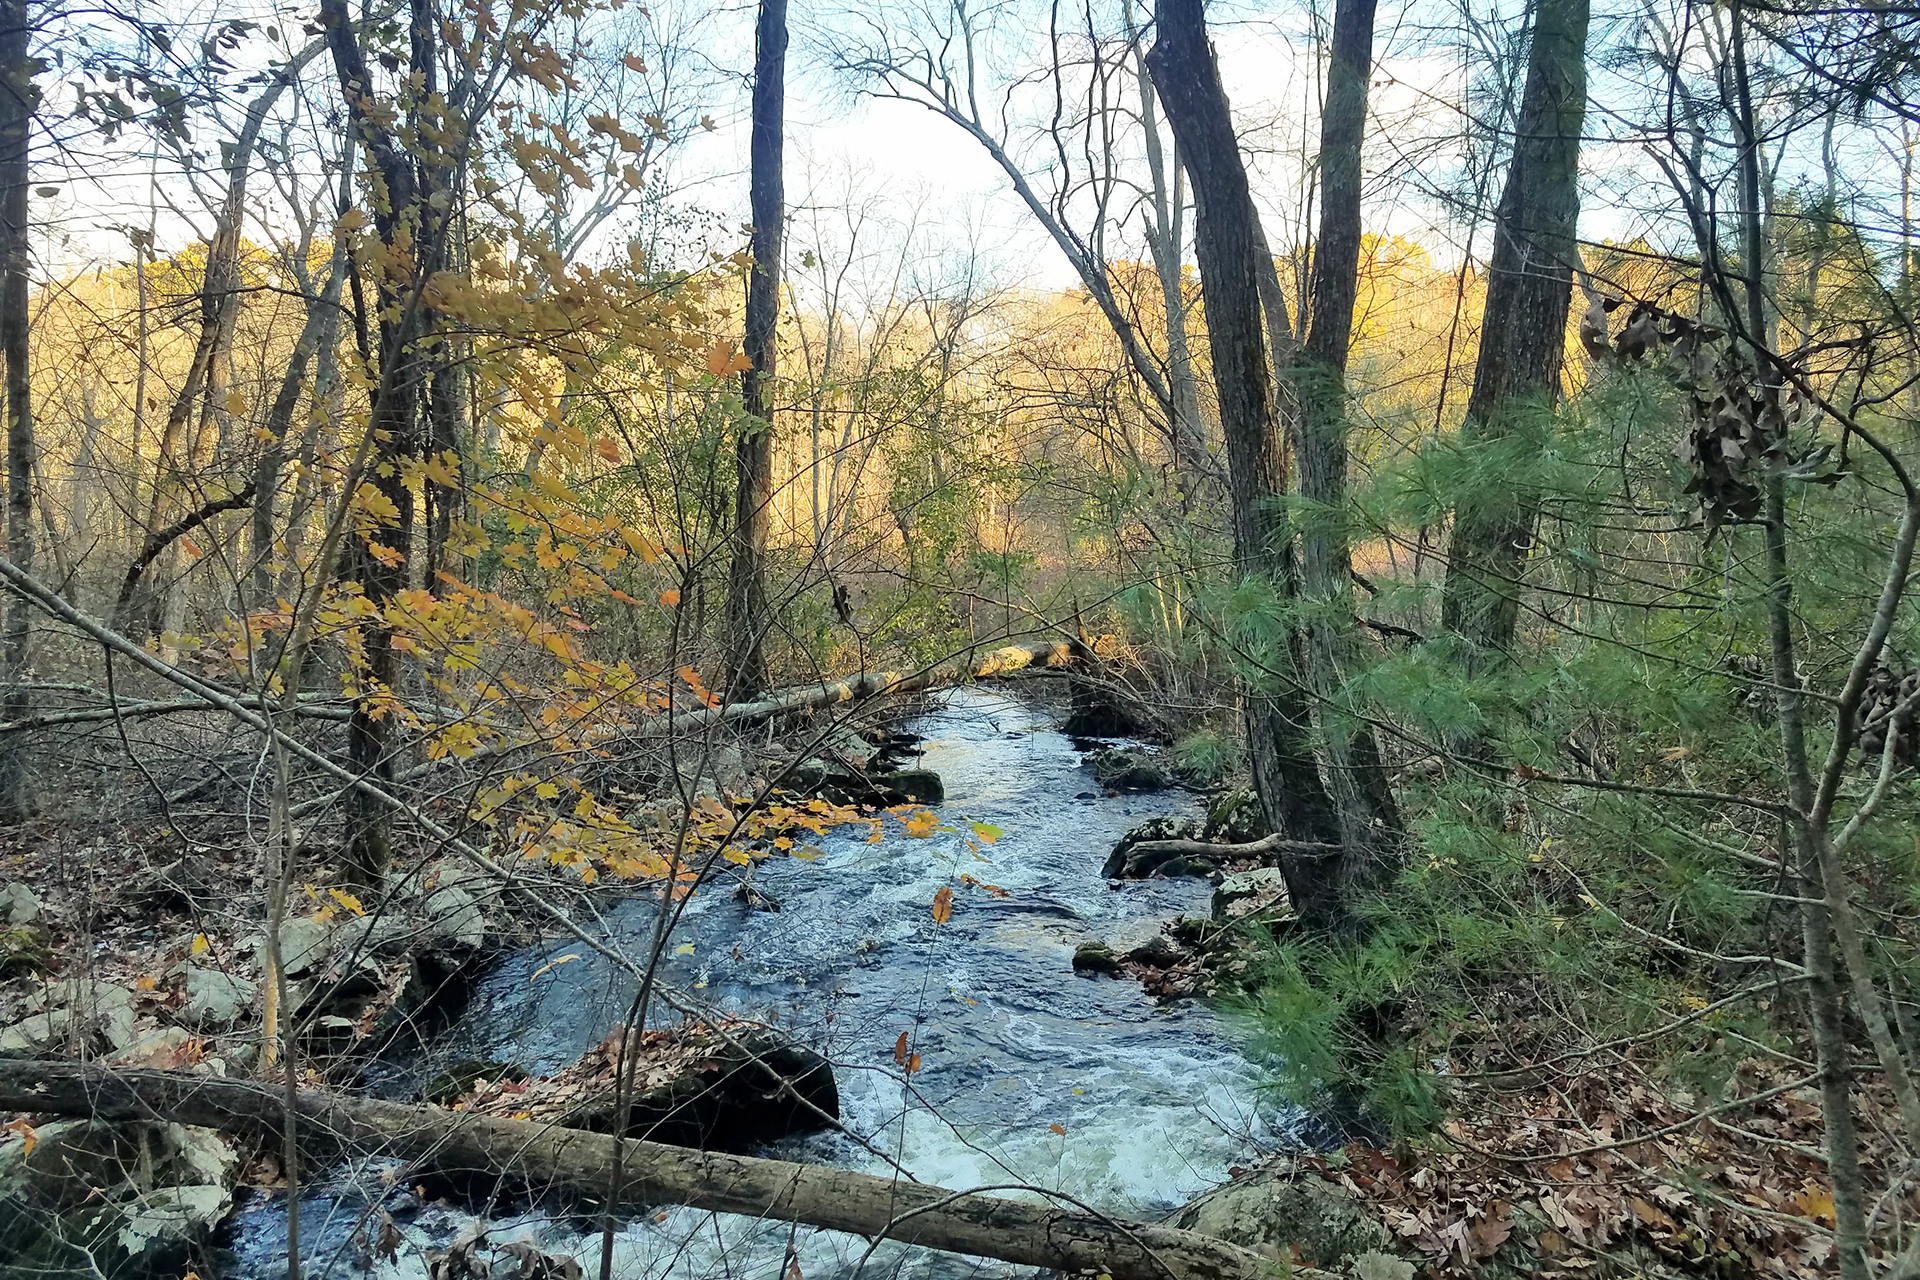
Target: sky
912	174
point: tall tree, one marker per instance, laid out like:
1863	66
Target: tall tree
18	98
1227	243
1523	328
753	446
1369	818
408	214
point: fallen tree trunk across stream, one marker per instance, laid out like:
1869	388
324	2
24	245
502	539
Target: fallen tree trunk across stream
1007	660
575	1162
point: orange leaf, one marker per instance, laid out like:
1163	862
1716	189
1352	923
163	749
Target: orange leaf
669	598
187	545
720	359
913	1064
943	905
608	450
1059	1129
28	1138
900	1050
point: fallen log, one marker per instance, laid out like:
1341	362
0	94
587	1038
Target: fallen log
573	1161
1007	660
1150	854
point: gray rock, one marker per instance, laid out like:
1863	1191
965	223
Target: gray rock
1276	1210
164	1048
216	1000
1118	863
375	936
304	945
1245	892
18	906
98	1010
114	1199
37	1035
1158	952
454	918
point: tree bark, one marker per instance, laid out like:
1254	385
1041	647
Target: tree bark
1370	826
1226	242
1523	327
576	1163
747	618
18	97
414	233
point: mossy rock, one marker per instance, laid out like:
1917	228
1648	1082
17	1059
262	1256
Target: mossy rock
1095	957
1278	1211
1235	817
1162	828
23	950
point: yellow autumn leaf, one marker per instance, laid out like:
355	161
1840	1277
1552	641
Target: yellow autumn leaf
669	598
236	404
684	949
720	359
200	944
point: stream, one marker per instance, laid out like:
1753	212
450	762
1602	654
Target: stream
1031	1074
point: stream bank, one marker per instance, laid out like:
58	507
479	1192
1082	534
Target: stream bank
1030	1073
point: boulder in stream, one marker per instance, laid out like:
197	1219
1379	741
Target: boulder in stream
1121	864
725	1089
1127	769
845	784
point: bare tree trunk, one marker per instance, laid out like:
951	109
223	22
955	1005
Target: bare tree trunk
1226	242
1523	328
747	618
1370	827
18	97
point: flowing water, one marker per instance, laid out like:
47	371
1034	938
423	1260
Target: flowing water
1030	1075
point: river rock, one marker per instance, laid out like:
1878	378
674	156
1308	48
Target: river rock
216	1000
732	1097
1127	769
117	1200
1102	711
1095	957
1245	892
1120	865
1278	1210
844	784
1156	952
